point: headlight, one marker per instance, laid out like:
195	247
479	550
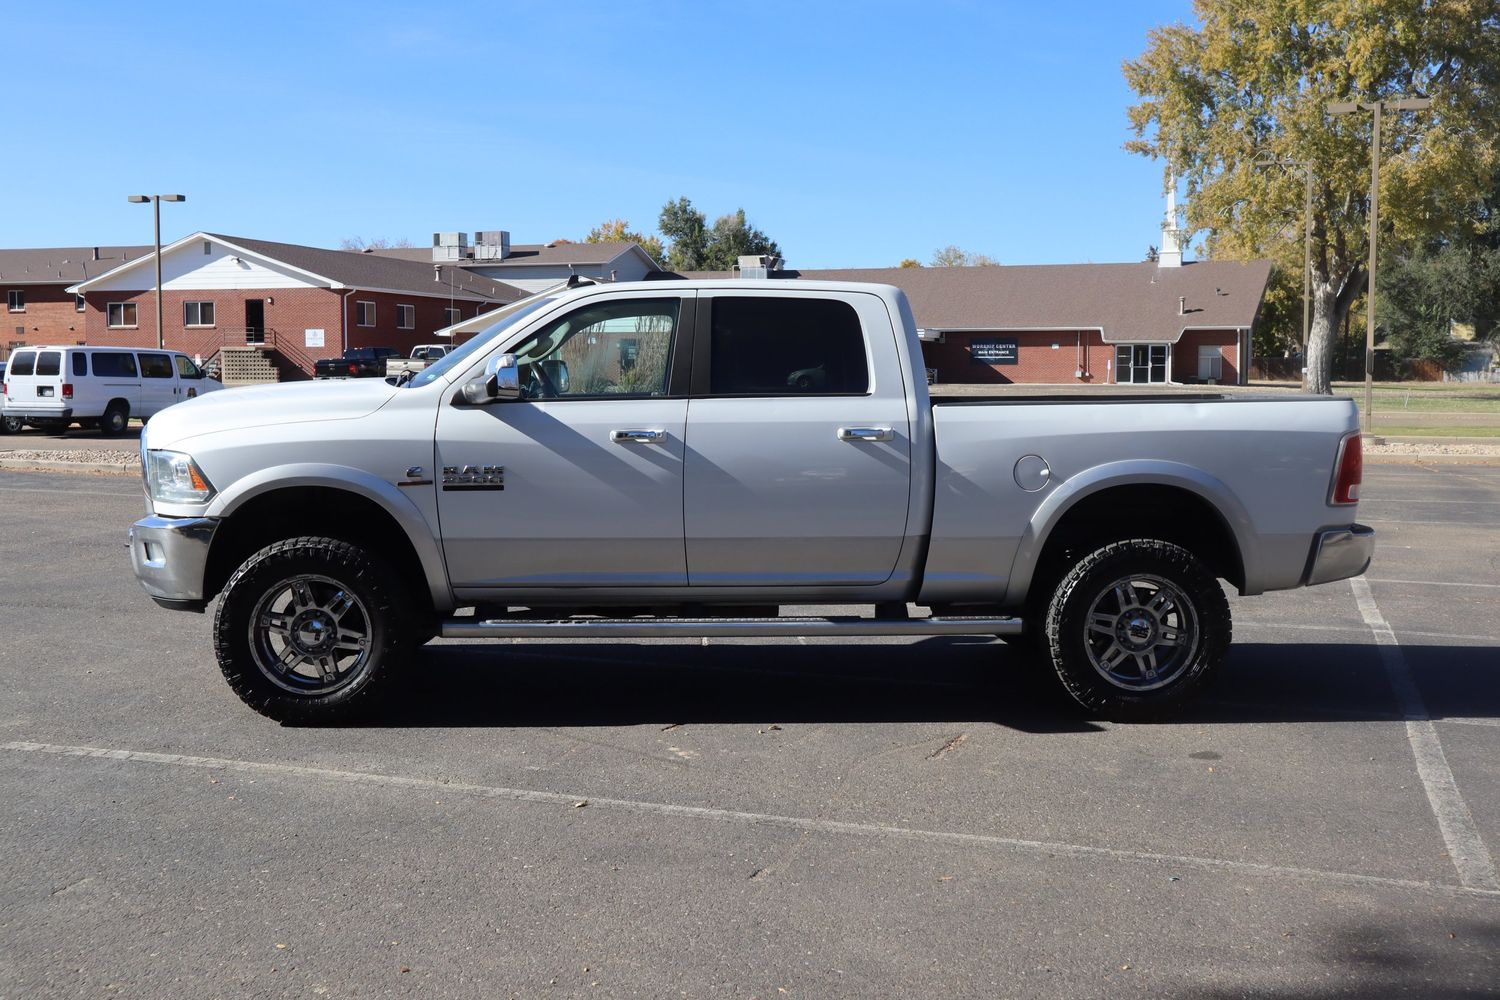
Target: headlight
172	477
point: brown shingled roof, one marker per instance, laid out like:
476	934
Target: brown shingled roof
376	271
63	265
1128	302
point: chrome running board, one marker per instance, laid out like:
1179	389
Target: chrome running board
649	628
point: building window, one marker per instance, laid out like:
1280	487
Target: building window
406	317
80	303
366	313
1210	363
121	314
197	314
450	315
1141	363
15	300
208	247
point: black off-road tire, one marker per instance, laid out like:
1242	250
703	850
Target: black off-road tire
116	418
1080	656
382	602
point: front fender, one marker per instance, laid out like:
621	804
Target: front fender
387	495
1131	472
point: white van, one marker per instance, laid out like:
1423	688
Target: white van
103	387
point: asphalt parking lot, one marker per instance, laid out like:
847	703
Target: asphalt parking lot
758	819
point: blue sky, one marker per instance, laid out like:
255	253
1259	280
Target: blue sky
854	134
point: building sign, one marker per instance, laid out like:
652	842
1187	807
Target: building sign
993	352
314	337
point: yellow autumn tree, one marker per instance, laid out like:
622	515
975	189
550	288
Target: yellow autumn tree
1252	82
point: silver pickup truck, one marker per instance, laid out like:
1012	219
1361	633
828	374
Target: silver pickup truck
714	458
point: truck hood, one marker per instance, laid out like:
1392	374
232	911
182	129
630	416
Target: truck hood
246	407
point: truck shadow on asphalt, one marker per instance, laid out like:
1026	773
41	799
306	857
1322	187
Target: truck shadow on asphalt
942	679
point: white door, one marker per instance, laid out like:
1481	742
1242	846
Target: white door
798	459
580	483
158	383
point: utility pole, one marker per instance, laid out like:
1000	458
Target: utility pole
1345	108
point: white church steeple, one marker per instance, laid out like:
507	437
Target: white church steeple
1172	236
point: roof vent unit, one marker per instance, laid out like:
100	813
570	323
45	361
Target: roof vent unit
757	265
450	246
491	244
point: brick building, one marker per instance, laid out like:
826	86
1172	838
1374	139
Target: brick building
39	308
294	303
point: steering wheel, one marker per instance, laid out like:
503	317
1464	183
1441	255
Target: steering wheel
541	385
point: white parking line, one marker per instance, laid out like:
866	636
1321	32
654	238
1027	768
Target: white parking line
1435	583
1471	722
1476	869
568	800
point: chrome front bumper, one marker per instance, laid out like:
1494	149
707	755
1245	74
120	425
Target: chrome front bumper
170	555
1339	553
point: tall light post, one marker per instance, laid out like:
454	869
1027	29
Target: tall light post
156	200
1347	108
1267	160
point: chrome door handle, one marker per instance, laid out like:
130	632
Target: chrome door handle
643	437
865	434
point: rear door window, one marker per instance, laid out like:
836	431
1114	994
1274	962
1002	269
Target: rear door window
110	364
762	346
156	366
22	364
80	364
49	363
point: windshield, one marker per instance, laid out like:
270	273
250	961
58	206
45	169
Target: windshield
462	355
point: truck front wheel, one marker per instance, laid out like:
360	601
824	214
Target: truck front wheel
311	630
1135	627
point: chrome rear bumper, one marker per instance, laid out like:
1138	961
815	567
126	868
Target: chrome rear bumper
170	556
1339	553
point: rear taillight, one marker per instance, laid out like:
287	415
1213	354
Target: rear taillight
354	369
1350	471
67	390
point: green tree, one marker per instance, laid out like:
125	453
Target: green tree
1255	79
952	256
1425	289
692	245
618	231
686	232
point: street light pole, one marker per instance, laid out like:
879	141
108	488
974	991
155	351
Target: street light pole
156	200
1377	107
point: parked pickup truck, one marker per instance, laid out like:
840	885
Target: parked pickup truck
634	460
357	362
421	356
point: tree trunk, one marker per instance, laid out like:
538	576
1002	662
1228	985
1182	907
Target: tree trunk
1318	374
1331	299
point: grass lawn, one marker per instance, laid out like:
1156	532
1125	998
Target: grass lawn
1427	397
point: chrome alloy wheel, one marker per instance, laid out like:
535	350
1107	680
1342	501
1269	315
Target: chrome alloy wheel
1142	632
310	635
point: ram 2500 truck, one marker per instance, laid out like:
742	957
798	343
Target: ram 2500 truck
714	458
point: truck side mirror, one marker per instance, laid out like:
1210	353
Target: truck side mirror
501	382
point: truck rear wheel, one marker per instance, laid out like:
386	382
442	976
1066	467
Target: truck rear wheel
311	630
1135	627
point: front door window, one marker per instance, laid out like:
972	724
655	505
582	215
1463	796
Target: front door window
1141	363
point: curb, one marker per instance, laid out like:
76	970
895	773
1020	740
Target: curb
41	465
